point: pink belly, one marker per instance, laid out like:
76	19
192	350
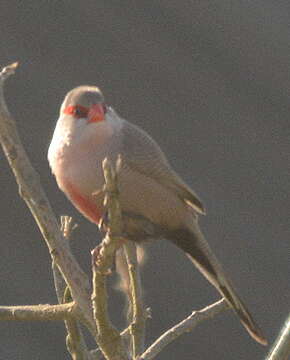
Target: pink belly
83	203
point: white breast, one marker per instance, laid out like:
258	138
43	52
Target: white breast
77	150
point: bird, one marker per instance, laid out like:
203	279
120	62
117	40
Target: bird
155	202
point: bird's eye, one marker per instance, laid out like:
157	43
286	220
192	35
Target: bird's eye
77	111
80	111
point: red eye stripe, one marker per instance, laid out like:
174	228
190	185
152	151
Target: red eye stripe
77	111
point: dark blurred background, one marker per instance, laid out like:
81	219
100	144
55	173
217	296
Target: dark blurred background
210	81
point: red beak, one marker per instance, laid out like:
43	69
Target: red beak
96	113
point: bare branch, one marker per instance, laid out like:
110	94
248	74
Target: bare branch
8	71
75	341
37	312
67	227
184	326
139	314
281	348
96	355
32	193
109	339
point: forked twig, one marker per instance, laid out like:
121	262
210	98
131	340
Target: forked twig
75	341
33	194
184	326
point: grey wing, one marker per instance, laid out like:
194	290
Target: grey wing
145	156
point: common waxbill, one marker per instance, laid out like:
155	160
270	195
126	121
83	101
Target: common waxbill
155	202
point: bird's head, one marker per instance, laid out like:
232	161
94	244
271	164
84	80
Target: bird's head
86	104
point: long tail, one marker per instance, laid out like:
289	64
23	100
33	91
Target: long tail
193	243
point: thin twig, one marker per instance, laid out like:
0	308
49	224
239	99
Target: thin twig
109	339
32	193
60	285
37	312
281	347
139	314
96	355
184	326
75	341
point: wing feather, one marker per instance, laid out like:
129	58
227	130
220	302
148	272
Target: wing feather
145	156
